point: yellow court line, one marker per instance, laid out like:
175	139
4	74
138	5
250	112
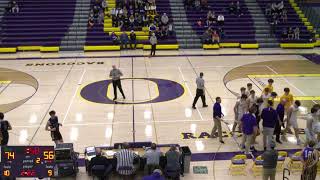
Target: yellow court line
136	101
5	82
304	98
282	75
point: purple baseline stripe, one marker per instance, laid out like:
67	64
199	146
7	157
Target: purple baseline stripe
315	58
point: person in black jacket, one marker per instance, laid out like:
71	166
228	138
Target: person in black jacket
133	40
100	160
5	126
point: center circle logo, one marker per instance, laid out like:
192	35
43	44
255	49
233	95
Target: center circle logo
99	92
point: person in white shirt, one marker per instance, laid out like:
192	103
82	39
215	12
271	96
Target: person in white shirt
239	109
252	99
164	19
265	97
292	121
220	20
311	125
249	88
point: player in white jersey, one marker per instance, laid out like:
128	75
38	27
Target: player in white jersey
252	99
239	109
292	119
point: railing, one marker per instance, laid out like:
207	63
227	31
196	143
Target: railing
311	13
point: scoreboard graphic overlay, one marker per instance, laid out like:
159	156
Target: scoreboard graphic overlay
27	161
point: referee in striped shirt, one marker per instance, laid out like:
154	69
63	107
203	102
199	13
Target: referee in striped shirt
125	159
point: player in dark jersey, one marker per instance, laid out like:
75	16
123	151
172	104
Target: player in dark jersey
5	126
53	126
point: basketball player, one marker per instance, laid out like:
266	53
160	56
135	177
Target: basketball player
200	92
239	109
288	97
115	74
249	88
5	126
292	119
269	86
312	124
53	126
252	99
242	91
266	95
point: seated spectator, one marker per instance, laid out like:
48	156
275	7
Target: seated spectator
164	31
268	10
14	7
204	4
284	34
139	20
239	9
280	6
164	19
211	18
153	8
101	17
90	22
131	22
296	33
173	166
215	37
156	175
100	163
220	20
290	33
125	12
125	161
124	39
145	20
152	28
152	156
104	5
114	38
197	4
200	22
133	40
206	38
232	8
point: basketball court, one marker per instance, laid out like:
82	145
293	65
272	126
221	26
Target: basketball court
159	93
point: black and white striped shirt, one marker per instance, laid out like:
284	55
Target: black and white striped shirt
125	160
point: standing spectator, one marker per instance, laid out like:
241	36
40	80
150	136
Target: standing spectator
5	126
116	74
164	19
125	160
270	160
217	118
124	39
239	109
114	38
270	118
133	40
292	118
173	166
215	37
280	111
221	33
153	41
220	20
310	159
152	156
249	129
297	33
200	92
53	126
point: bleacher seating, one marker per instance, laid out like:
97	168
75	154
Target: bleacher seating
294	20
99	35
39	23
237	29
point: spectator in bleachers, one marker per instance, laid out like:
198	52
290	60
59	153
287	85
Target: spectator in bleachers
125	161
139	20
284	34
238	9
296	33
204	4
268	10
145	19
132	22
284	15
124	39
215	37
220	20
14	7
232	8
280	7
221	33
173	166
164	31
273	8
290	33
90	22
104	5
197	4
206	37
101	17
156	175
164	19
152	28
152	156
153	41
200	22
114	38
133	40
170	29
210	18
